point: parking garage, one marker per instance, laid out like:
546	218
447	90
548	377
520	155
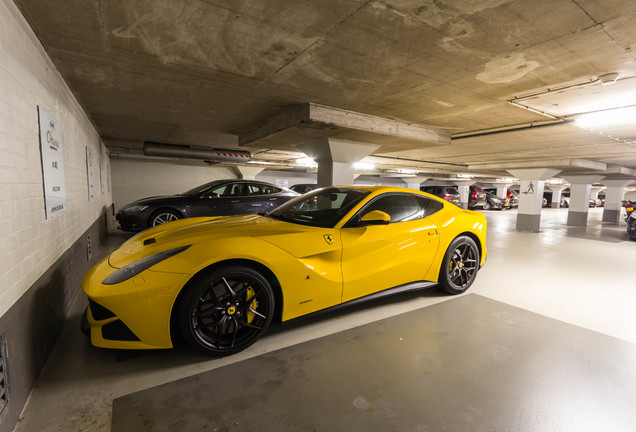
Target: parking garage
103	104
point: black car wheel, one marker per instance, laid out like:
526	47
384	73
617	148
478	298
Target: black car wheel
487	206
226	311
460	265
163	216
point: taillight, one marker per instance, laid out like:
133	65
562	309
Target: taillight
474	195
448	196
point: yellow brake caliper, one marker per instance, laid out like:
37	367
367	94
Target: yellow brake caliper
254	305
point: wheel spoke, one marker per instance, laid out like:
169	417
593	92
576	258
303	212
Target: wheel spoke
236	329
246	324
258	314
213	294
207	313
229	288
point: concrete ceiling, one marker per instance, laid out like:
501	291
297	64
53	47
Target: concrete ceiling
502	78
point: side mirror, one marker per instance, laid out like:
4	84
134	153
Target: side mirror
212	195
375	217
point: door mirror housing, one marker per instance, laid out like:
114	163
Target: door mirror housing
375	217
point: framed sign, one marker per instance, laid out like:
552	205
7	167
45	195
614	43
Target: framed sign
90	173
101	174
52	153
101	166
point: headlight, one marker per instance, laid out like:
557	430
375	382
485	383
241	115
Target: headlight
137	267
135	208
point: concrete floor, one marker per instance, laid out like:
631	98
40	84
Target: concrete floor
582	276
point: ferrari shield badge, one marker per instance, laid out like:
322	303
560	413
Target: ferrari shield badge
328	238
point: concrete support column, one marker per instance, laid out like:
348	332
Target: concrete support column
335	158
247	172
614	199
531	184
463	187
595	191
414	182
580	191
502	190
556	196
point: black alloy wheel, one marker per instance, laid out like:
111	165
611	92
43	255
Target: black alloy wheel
163	216
460	265
227	311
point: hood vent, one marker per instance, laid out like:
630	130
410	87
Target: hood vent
195	152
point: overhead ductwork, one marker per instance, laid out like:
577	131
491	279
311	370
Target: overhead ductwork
195	152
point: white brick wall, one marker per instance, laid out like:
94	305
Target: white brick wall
30	244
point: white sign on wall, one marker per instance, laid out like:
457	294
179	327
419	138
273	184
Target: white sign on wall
101	166
101	173
52	152
90	173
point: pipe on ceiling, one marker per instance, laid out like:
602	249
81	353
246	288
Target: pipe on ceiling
194	152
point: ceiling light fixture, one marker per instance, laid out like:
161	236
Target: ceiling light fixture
612	117
258	162
363	166
306	162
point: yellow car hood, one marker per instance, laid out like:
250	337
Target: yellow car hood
196	230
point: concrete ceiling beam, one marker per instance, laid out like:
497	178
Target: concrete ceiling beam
335	158
247	172
309	120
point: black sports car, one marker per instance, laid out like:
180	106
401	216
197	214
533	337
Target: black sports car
217	198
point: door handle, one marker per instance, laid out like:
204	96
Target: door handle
235	201
432	232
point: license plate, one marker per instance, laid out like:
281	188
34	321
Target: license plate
455	200
630	209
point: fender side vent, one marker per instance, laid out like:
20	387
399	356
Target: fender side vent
150	241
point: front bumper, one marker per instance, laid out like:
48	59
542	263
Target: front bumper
134	314
132	222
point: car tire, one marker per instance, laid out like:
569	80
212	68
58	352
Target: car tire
487	206
226	311
163	216
459	266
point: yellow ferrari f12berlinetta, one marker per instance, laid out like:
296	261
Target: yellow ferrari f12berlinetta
219	281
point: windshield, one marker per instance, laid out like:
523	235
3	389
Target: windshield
200	189
321	208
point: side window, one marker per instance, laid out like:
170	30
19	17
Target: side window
429	206
261	189
400	207
220	191
232	189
